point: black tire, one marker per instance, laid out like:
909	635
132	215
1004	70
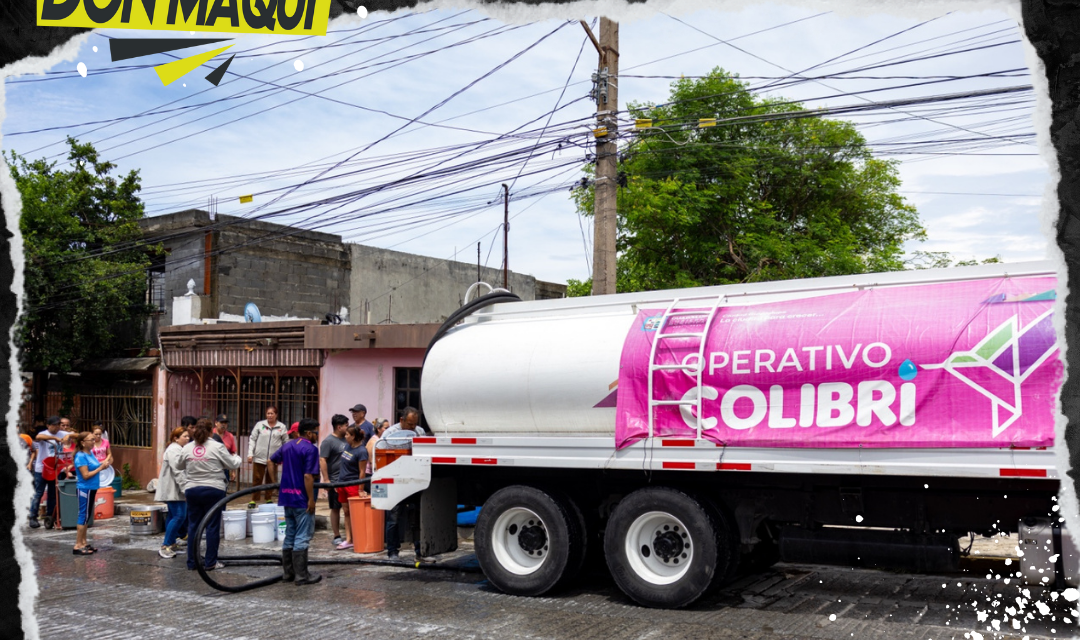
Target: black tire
578	535
527	556
653	576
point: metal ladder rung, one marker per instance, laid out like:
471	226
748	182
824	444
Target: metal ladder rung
680	335
688	313
668	367
672	402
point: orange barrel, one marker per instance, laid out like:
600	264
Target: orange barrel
103	504
367	525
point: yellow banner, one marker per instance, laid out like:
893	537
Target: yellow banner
289	17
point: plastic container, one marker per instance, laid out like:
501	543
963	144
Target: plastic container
367	525
234	522
263	527
104	506
148	520
117	487
247	517
68	494
279	513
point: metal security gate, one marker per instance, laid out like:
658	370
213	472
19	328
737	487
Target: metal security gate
243	395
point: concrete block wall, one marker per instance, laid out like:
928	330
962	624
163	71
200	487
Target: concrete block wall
416	289
184	261
299	274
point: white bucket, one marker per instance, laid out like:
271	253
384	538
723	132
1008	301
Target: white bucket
234	523
262	527
269	507
280	513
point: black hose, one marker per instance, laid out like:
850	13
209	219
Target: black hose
270	560
466	310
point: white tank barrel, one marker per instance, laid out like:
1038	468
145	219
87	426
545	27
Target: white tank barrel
551	366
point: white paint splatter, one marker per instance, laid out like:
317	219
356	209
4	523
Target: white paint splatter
858	518
298	65
832	617
82	69
1070	594
95	49
1043	608
1008	561
361	12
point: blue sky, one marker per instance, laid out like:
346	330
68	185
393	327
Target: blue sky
973	206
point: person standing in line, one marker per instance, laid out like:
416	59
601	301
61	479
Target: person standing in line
28	446
66	463
47	445
359	416
221	430
87	469
299	460
329	461
409	507
101	441
266	438
205	461
410	421
188	424
352	466
222	435
170	490
380	428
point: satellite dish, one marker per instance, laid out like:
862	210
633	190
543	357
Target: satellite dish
251	313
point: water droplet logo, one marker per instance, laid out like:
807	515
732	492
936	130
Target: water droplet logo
908	370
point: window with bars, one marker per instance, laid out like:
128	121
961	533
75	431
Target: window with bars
406	390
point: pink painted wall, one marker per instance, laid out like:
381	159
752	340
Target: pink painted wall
361	375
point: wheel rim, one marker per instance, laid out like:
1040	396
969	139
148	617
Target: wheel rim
659	547
520	541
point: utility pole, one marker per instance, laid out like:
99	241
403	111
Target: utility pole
605	187
506	237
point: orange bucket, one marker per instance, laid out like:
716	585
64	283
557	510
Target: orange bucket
103	504
367	525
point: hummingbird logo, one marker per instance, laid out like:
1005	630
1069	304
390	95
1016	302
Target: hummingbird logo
999	364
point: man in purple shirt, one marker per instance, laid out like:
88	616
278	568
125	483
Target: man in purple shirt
298	460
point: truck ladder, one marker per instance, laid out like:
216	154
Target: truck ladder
701	336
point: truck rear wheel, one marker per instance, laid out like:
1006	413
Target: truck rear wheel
528	541
666	549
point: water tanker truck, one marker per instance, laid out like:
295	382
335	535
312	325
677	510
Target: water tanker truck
684	436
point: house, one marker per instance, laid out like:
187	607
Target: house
289	272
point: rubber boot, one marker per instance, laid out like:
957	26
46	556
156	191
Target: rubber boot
302	575
287	569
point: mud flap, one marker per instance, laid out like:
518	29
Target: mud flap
438	517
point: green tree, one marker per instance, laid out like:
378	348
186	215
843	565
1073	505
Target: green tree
85	283
762	195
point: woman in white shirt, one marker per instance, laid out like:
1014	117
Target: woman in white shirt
266	438
170	490
205	460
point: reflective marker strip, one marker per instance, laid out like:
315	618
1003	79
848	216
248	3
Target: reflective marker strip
676	443
383	481
733	466
679	465
423	440
1023	473
462	440
444	461
485	461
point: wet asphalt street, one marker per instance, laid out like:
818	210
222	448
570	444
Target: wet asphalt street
127	591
